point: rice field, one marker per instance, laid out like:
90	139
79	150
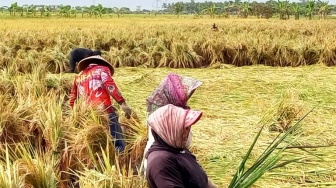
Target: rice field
44	143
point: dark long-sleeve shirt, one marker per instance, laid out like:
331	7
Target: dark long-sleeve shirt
174	170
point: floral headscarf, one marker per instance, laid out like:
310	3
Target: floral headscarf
174	89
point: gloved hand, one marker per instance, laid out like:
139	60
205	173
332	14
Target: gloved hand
127	110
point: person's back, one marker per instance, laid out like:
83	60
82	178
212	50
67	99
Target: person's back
78	54
169	162
214	27
95	85
92	87
169	169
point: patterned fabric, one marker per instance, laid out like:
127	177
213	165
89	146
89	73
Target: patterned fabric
95	85
170	123
174	89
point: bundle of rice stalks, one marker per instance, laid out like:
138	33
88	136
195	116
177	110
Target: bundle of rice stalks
328	56
82	115
6	85
88	143
136	138
9	176
211	51
50	117
32	169
37	172
102	166
109	175
241	57
284	56
289	109
59	84
13	127
54	60
31	85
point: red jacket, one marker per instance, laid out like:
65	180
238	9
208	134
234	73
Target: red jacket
95	85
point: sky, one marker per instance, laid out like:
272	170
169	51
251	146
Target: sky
132	4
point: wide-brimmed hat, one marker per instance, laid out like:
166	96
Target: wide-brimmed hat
97	59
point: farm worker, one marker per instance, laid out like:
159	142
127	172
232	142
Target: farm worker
214	27
170	163
173	89
95	85
77	54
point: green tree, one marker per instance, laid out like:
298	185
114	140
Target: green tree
100	10
310	8
323	9
31	10
283	9
13	8
42	10
244	9
178	8
211	11
296	10
118	11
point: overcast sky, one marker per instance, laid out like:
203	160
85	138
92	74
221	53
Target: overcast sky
132	4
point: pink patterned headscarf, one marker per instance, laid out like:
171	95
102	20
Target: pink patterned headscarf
174	89
170	121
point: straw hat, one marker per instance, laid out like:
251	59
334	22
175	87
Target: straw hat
97	59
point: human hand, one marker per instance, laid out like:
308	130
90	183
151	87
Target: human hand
127	110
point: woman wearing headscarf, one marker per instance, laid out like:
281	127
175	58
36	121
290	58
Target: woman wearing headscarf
170	163
173	89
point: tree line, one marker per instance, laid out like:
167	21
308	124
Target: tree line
63	10
283	9
243	9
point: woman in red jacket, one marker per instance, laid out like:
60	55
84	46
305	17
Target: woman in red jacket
94	84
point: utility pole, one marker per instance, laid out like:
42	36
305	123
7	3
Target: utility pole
157	4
